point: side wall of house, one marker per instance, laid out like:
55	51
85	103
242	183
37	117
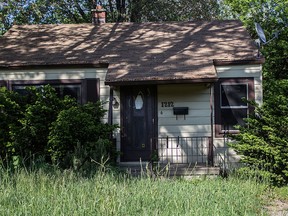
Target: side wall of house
241	71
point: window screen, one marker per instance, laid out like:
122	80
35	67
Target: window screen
233	95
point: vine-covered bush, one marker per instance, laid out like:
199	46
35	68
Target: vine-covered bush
263	142
41	125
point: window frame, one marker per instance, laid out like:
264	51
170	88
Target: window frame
89	88
249	82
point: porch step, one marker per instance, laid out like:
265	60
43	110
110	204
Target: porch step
170	170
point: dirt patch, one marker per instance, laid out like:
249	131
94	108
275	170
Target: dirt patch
278	208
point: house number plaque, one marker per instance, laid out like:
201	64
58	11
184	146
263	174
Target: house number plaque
167	104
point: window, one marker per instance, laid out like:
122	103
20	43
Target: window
73	90
3	83
231	105
83	90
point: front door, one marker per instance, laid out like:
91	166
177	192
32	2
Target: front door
138	122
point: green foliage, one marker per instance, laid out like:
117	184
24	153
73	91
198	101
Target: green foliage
263	142
41	109
11	109
173	10
43	12
80	128
40	125
272	15
63	11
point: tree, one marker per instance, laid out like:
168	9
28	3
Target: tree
263	142
272	15
72	11
44	12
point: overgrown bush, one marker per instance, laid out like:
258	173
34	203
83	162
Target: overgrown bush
11	110
40	125
41	109
78	134
263	142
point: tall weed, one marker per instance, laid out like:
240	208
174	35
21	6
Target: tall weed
110	193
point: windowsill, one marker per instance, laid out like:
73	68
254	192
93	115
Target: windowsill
222	133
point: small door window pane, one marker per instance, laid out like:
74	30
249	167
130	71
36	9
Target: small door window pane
139	101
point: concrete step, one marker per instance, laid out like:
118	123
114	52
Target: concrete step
170	170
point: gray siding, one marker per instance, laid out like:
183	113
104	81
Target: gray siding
194	96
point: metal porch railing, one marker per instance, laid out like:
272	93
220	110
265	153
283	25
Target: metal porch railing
185	150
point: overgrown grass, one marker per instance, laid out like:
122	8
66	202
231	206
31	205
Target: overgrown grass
107	193
281	193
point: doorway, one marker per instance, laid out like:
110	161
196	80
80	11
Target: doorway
138	122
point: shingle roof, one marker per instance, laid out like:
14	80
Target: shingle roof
134	51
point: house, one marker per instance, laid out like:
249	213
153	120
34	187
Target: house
174	88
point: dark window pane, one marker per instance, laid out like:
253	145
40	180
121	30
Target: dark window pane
232	117
21	91
73	90
232	95
3	83
58	90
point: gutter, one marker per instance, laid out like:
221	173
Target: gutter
158	82
54	65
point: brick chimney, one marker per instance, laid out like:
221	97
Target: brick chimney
98	15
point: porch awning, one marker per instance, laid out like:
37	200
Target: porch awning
204	72
164	74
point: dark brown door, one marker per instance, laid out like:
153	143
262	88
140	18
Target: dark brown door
138	126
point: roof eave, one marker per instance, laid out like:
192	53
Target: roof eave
160	82
53	65
225	62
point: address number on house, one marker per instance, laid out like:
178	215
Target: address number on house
167	104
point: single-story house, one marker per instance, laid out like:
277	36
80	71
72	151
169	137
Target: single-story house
175	88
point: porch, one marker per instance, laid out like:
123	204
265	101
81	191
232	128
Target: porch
180	156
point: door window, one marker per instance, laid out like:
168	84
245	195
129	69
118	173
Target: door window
139	101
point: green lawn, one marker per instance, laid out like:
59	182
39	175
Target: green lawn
65	193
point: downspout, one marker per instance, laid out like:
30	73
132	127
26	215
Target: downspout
110	111
110	122
211	147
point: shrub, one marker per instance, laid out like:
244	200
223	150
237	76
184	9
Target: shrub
79	134
11	110
263	142
41	109
42	126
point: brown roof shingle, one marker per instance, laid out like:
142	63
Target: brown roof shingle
135	51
